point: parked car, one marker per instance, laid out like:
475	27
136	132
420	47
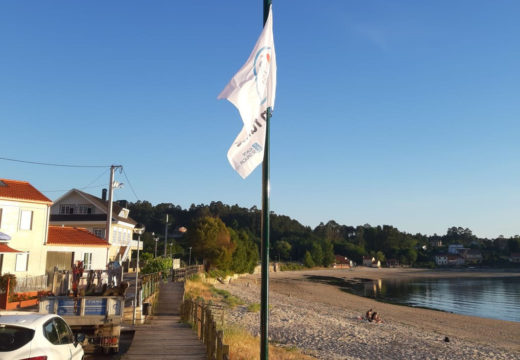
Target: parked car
33	336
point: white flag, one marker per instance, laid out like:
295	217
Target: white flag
252	91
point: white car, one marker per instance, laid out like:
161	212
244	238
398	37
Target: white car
33	336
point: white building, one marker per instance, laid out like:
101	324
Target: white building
68	245
79	209
24	217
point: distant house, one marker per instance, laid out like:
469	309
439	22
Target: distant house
514	257
342	262
67	246
449	259
24	214
455	248
392	262
79	209
435	242
473	256
371	262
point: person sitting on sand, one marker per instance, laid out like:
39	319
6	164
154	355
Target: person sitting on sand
368	315
376	318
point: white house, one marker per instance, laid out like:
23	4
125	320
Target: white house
79	209
371	262
68	245
24	218
449	259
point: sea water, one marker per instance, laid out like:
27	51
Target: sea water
495	298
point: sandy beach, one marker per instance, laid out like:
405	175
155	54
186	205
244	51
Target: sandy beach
325	321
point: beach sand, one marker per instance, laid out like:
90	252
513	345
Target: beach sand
325	321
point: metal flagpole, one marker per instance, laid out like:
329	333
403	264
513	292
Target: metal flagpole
264	302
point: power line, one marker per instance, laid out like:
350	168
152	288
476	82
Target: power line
51	164
86	186
82	188
131	187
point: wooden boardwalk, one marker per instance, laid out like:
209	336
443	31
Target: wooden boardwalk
163	336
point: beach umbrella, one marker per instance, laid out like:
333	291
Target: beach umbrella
4	237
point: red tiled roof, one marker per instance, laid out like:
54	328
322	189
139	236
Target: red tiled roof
70	236
6	249
21	190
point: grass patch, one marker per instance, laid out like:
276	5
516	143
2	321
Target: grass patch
254	307
197	289
244	346
226	296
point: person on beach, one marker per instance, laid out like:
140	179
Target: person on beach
368	315
376	318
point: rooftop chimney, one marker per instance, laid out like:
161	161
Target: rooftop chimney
104	194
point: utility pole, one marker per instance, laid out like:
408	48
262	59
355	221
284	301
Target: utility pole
108	230
166	235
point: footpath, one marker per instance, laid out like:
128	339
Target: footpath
163	336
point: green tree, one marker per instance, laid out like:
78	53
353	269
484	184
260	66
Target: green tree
317	254
211	241
328	253
245	256
307	260
283	250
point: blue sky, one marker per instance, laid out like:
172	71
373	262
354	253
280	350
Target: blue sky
387	112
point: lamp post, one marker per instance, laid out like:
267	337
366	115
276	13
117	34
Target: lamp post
156	239
189	258
139	230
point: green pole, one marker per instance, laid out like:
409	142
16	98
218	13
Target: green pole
264	303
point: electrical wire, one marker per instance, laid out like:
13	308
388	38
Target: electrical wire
82	188
88	186
51	164
131	187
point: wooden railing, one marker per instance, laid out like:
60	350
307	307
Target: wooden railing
200	316
150	284
183	273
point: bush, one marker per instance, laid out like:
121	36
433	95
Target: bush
4	280
158	265
291	267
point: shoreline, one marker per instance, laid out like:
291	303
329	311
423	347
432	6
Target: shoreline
324	320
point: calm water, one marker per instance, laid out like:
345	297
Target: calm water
496	298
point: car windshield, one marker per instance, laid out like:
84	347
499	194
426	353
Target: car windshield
14	337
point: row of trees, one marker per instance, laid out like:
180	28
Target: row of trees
227	237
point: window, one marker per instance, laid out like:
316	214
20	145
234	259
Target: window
66	209
14	337
64	332
85	209
87	261
26	220
99	233
21	262
50	333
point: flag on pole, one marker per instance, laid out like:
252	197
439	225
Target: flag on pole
252	90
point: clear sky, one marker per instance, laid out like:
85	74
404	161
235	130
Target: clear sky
387	112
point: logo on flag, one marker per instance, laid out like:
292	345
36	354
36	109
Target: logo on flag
252	91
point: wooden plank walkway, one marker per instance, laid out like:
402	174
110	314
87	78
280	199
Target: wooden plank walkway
163	336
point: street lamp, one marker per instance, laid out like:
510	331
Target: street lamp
189	258
156	239
139	230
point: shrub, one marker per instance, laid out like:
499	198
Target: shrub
8	278
158	265
291	267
